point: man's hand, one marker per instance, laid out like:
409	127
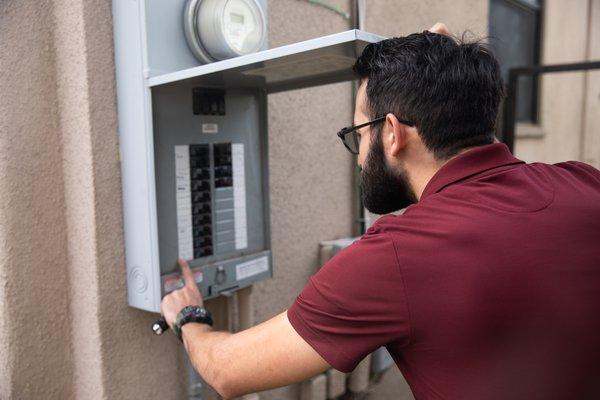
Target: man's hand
188	295
440	28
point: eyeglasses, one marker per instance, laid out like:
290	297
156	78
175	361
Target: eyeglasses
351	137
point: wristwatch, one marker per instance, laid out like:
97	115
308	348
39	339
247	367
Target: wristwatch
195	314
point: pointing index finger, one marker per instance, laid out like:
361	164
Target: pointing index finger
188	276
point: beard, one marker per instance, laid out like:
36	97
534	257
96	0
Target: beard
383	189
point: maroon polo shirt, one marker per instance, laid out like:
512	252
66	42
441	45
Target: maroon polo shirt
487	288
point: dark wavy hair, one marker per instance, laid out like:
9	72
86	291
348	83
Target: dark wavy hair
448	88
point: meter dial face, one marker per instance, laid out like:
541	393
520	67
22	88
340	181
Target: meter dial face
220	29
242	26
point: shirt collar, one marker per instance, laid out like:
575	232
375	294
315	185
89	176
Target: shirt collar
470	163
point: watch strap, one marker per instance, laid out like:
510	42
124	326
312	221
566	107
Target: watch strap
189	314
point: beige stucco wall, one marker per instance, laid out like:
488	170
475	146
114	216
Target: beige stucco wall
401	17
310	172
33	234
66	330
569	122
591	113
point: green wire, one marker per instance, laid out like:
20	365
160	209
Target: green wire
334	9
361	218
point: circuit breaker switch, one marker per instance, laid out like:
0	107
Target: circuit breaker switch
199	197
200	173
199	151
201	208
202	230
205	240
223	182
223	171
198	185
200	219
221	106
222	159
208	101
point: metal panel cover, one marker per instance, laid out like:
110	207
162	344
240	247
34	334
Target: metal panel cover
324	60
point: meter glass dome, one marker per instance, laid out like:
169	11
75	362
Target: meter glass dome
242	26
218	29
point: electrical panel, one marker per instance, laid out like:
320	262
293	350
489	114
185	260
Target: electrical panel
193	135
212	188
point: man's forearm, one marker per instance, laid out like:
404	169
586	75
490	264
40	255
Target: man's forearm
204	347
266	356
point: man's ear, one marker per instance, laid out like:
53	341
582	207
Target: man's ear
395	133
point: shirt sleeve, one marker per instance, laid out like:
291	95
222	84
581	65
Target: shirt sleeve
355	303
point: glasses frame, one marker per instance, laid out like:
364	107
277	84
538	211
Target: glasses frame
349	129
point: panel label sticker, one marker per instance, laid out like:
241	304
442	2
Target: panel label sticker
184	204
239	196
251	268
172	284
210	128
175	282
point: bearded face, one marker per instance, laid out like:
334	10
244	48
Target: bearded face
383	189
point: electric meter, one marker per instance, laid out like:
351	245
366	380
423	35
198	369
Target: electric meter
216	29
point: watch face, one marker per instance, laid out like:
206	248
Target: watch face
188	310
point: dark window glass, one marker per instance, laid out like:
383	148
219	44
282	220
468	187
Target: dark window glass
514	38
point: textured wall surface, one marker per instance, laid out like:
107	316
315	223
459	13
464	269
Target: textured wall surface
66	330
310	170
35	360
569	126
591	136
401	17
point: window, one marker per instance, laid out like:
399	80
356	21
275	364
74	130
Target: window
515	40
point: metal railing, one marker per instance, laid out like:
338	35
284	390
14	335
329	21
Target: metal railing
509	122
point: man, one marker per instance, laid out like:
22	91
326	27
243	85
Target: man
487	287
